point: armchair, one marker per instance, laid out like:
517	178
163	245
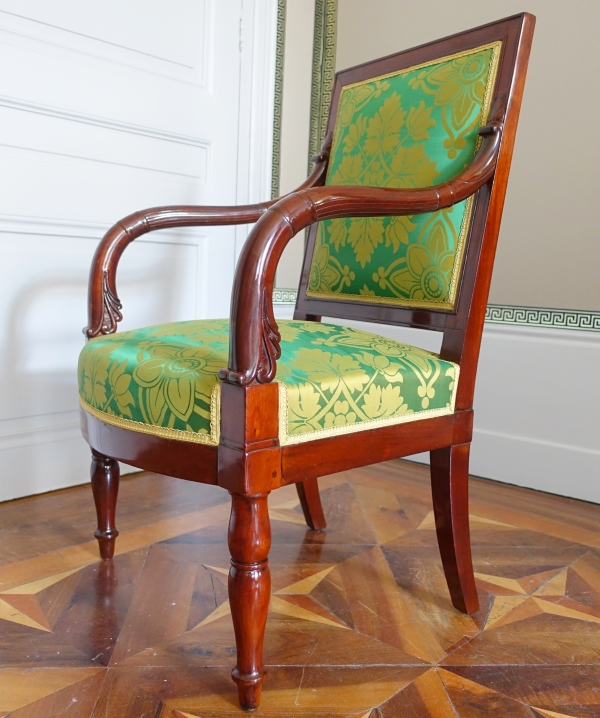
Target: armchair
404	208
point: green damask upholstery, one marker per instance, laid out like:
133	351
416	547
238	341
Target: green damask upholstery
413	128
163	380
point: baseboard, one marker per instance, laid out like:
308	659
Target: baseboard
536	464
553	467
50	465
537	405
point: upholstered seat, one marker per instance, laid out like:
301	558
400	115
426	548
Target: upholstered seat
163	380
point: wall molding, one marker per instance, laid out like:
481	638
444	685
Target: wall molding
284	296
50	227
323	73
580	319
583	320
76	229
94	39
123	52
14	103
538	442
111	163
62	429
278	98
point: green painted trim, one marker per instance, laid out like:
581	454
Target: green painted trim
323	72
279	56
284	296
588	321
543	317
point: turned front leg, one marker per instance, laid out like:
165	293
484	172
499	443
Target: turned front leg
249	591
105	486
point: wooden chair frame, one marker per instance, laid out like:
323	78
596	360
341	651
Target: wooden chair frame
249	462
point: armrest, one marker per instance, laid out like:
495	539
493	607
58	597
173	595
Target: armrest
254	339
104	307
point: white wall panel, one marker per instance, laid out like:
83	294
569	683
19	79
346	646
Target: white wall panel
159	38
42	313
108	107
127	147
537	410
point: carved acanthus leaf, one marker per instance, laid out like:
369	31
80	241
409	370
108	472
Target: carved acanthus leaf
270	343
111	308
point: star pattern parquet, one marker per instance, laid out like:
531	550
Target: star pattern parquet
360	623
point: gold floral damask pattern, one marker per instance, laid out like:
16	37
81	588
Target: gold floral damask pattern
163	377
164	380
411	129
339	380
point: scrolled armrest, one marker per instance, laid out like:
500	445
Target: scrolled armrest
104	306
254	338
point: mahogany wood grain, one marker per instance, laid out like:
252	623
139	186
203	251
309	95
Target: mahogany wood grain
249	461
340	453
310	500
181	459
249	455
199	462
450	492
249	542
479	261
105	487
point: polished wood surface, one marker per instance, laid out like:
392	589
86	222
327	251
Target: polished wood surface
310	501
360	622
249	461
249	586
105	487
450	492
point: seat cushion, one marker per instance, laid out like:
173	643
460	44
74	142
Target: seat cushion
163	380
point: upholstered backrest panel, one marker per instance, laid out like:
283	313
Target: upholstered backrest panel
413	128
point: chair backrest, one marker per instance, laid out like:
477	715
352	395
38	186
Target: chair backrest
415	127
412	120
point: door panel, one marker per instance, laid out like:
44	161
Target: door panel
106	107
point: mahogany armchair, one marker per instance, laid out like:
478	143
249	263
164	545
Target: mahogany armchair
404	208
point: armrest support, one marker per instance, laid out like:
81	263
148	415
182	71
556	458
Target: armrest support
254	339
104	307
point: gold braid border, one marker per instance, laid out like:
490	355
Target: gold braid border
164	432
287	439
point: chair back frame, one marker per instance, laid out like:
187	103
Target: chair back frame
462	326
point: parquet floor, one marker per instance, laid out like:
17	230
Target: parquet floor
360	624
